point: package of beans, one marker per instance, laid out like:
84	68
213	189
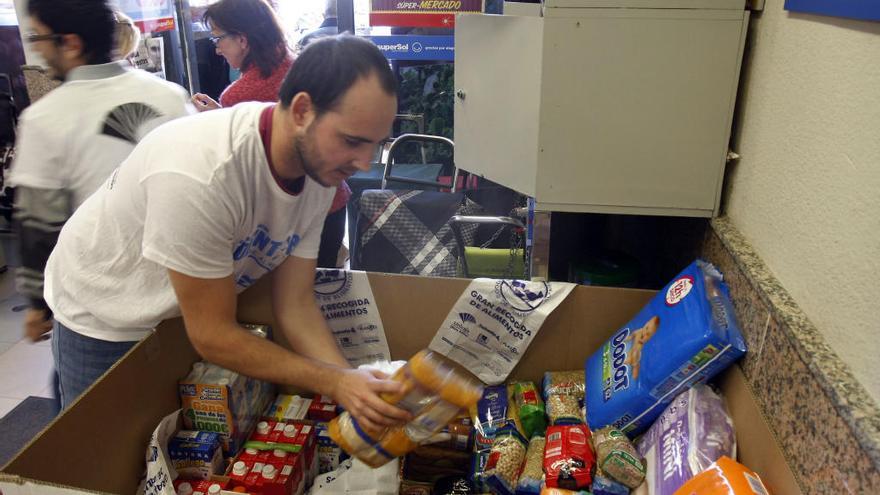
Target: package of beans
532	476
505	461
564	396
618	457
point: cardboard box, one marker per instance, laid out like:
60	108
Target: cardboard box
98	444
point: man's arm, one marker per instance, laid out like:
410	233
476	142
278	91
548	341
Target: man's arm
38	217
297	312
298	315
208	307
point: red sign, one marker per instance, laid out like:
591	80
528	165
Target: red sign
155	25
420	13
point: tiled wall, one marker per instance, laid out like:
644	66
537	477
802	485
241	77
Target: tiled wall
824	420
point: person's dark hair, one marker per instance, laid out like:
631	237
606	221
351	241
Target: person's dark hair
255	20
92	20
329	66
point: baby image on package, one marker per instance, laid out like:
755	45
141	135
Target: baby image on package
685	335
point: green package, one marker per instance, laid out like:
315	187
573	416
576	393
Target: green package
530	408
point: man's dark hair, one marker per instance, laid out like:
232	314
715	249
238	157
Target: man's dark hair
329	66
255	20
92	20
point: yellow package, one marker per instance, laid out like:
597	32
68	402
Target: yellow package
434	392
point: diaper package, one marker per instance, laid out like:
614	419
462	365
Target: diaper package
685	335
692	433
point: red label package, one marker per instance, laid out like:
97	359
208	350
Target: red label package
568	457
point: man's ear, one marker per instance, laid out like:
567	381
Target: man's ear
302	109
72	46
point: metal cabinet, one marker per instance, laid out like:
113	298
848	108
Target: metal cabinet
602	106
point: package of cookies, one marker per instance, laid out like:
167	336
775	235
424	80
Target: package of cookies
685	335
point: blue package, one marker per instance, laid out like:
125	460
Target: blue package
490	414
195	454
478	465
685	335
607	486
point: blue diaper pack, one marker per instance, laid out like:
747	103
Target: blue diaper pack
685	335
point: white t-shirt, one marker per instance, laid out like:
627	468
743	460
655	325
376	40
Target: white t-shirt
74	136
197	196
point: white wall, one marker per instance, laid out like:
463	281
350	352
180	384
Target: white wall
806	192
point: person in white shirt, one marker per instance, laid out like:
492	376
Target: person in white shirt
72	138
208	204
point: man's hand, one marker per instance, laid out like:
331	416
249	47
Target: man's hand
36	324
358	392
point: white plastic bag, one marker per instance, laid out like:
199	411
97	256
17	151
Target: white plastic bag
160	472
353	477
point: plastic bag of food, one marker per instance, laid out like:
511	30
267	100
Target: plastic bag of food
568	457
477	470
564	396
604	485
505	461
564	383
618	458
724	477
532	475
529	408
692	433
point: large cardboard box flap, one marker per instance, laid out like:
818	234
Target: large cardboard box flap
98	444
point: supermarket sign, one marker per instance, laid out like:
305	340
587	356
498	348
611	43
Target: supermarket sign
150	16
421	13
411	47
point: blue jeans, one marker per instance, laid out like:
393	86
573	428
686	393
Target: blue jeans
81	360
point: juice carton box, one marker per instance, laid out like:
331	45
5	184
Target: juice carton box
224	402
287	407
322	408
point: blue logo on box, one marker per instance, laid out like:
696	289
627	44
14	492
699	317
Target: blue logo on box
415	47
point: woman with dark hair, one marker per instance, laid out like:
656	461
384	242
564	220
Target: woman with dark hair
247	34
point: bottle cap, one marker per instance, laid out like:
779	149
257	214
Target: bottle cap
290	431
239	469
269	472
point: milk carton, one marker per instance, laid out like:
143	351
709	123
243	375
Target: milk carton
196	454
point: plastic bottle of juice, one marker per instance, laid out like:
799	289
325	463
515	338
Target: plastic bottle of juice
434	391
